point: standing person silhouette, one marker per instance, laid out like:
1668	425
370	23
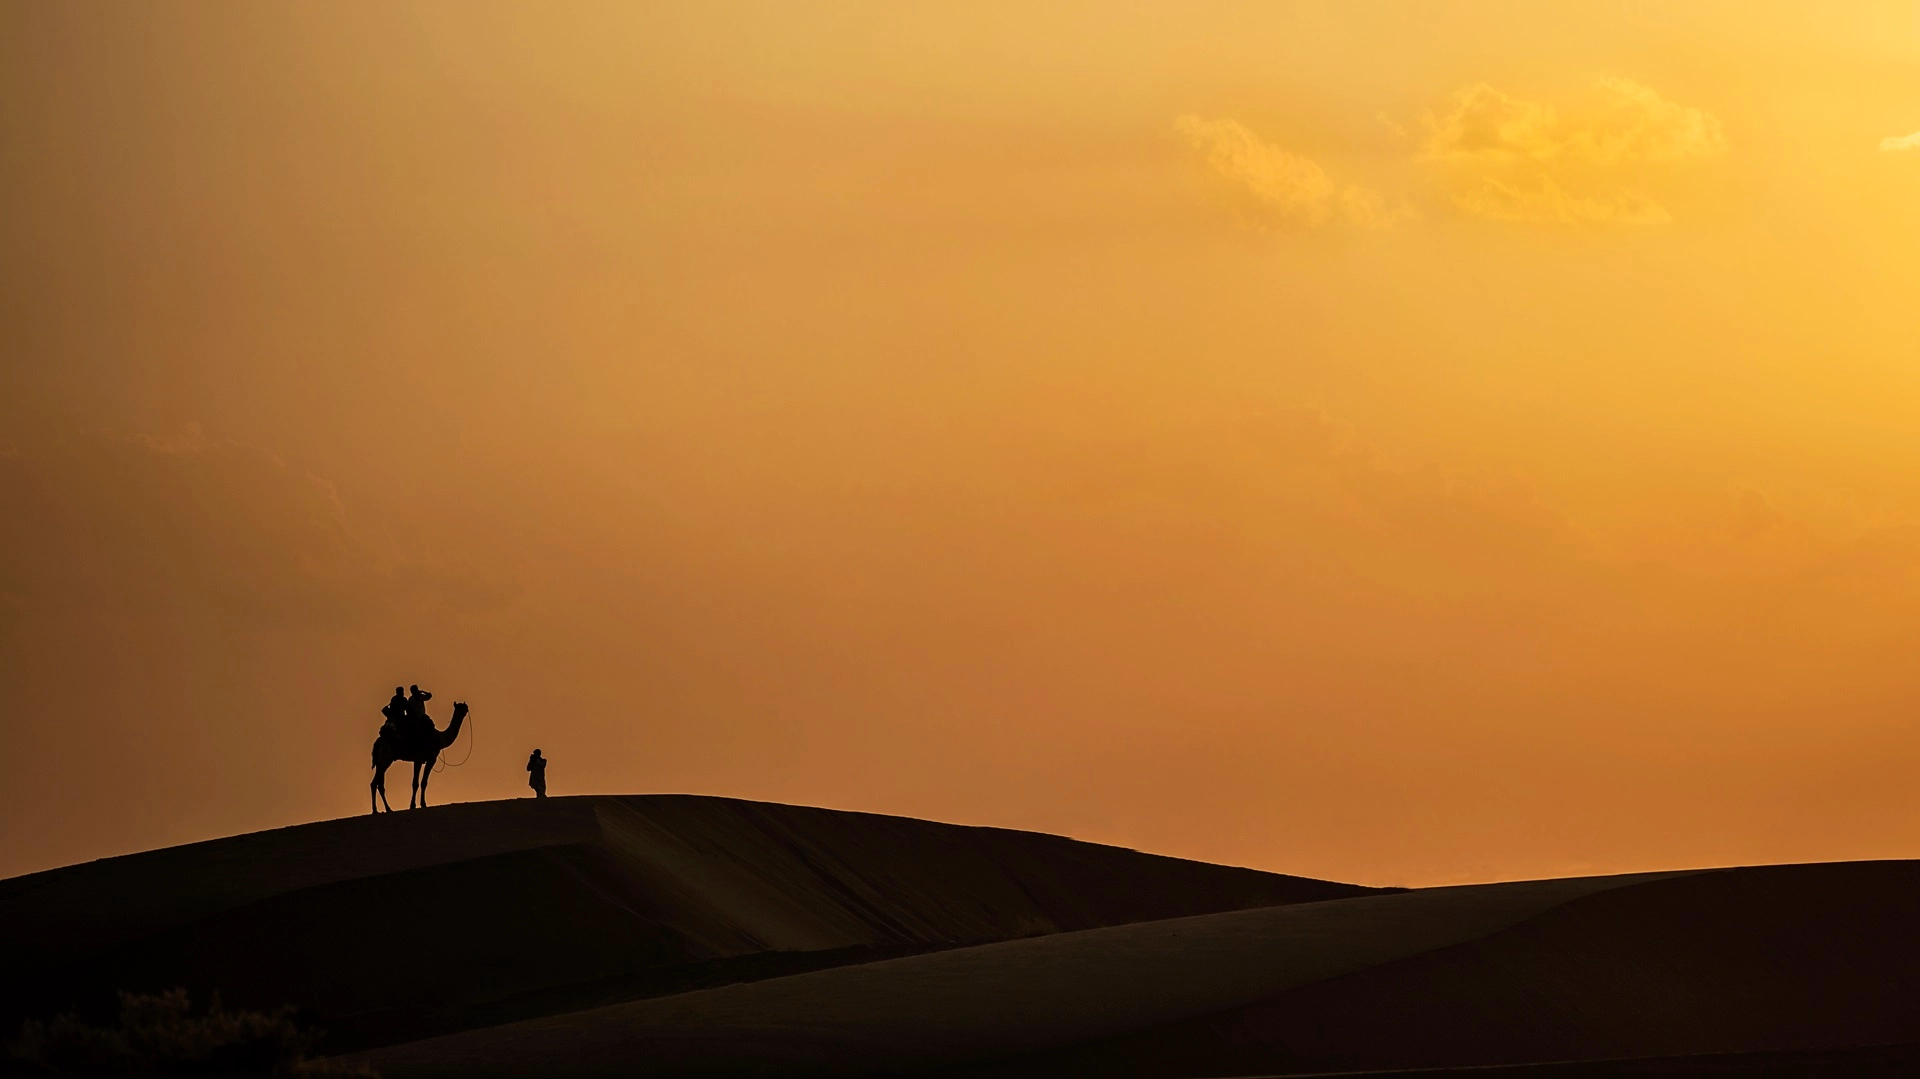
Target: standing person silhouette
537	774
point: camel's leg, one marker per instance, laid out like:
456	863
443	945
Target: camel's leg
379	786
413	794
426	773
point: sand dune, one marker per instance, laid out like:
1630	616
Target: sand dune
685	936
1728	961
990	1001
501	910
1721	961
1900	1061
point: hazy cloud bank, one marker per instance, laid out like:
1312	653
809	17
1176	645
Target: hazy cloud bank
1286	187
1493	156
1624	123
177	523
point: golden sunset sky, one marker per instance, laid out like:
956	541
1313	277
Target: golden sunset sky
1399	442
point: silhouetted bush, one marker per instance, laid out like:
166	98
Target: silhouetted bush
162	1037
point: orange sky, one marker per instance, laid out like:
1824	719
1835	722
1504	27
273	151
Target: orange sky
1406	443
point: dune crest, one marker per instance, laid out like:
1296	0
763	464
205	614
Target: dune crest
673	935
524	908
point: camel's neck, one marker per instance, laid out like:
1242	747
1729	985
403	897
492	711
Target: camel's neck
453	727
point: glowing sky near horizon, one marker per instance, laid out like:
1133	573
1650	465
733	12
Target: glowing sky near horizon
1403	443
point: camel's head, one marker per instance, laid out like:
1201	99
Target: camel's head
459	709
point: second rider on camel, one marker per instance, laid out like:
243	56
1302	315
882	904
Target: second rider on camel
395	711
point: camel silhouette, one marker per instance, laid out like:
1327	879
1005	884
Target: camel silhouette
422	747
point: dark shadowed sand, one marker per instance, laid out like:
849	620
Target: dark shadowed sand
665	936
390	928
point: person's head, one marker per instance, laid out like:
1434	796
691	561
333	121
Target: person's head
399	692
536	753
415	690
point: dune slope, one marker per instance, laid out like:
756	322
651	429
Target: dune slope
1659	966
1729	961
395	927
991	1001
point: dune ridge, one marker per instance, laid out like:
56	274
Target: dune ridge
995	1000
1747	969
1820	958
509	909
678	935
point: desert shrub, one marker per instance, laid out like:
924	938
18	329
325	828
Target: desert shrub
161	1036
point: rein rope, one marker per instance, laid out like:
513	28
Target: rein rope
440	761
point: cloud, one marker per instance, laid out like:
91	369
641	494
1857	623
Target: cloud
1626	123
167	525
1287	188
1297	188
1635	123
1486	123
1366	208
1895	144
1511	159
1542	200
1587	161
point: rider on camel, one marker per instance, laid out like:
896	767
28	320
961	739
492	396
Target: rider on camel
395	711
417	721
